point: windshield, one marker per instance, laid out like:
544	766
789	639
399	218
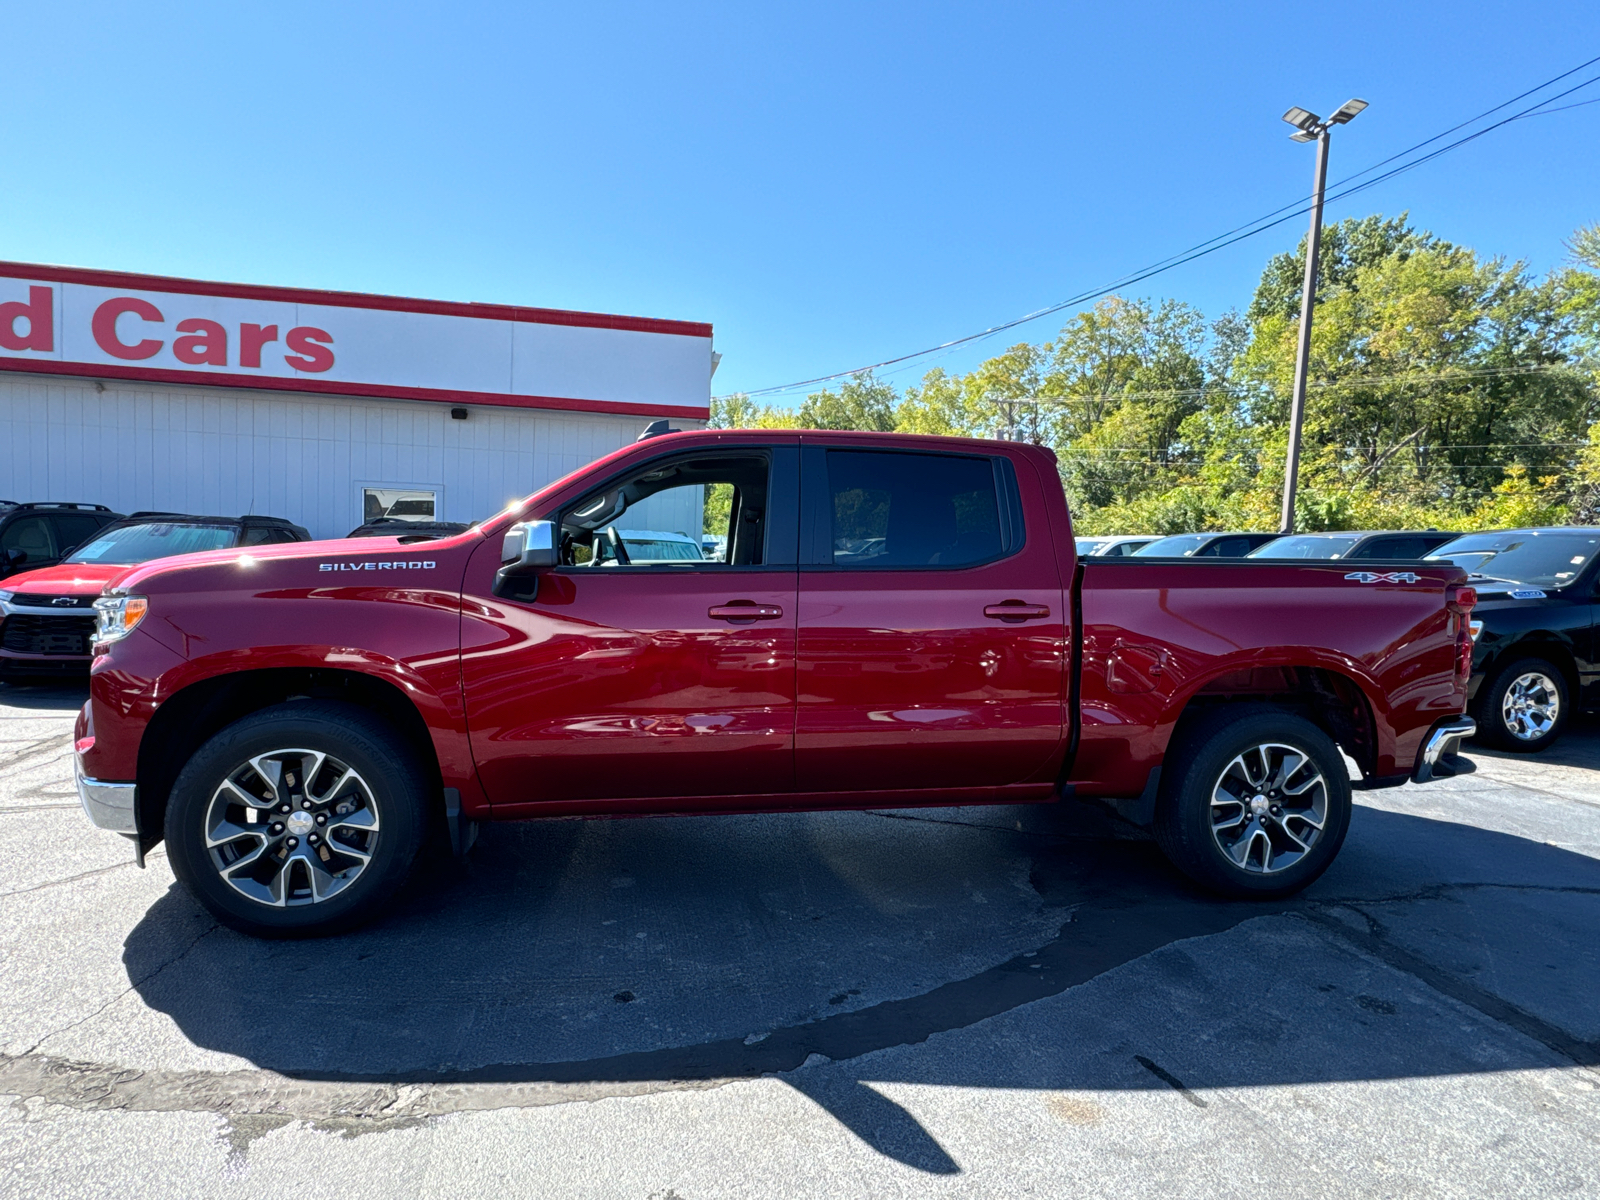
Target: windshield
1088	545
1174	547
1522	556
1308	546
130	544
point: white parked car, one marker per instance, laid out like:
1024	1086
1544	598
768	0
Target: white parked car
1112	547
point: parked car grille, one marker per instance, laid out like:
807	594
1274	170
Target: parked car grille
26	634
38	600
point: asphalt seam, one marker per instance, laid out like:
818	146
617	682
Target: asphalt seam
355	1103
1375	944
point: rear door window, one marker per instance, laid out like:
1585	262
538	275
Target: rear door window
900	510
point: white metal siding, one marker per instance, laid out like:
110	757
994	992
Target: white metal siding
283	454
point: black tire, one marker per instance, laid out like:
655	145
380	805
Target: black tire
1204	762
1522	732
383	819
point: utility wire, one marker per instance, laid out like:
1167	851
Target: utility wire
1405	377
1239	233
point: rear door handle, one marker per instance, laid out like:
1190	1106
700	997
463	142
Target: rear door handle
744	610
1015	610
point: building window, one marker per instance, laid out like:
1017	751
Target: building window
403	504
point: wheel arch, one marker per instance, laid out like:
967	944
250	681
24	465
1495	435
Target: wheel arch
1339	702
1536	644
192	715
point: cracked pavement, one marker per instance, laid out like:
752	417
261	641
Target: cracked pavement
1004	1001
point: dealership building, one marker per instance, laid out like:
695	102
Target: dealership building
142	392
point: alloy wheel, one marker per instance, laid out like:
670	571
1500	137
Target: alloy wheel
291	827
1268	808
1531	706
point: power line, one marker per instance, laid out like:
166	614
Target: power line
1408	377
1239	233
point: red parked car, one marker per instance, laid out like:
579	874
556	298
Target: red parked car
47	615
893	621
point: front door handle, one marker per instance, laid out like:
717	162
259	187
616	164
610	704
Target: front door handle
1016	610
744	610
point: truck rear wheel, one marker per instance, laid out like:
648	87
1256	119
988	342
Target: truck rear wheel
1255	802
301	819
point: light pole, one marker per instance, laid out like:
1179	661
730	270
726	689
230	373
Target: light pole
1308	127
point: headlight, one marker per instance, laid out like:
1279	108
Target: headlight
1475	628
116	616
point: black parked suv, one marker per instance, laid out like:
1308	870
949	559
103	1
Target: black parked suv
408	531
1535	655
39	535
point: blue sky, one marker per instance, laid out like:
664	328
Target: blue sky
828	184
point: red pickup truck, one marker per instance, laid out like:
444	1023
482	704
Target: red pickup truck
891	621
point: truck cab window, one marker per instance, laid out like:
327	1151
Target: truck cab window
912	510
674	514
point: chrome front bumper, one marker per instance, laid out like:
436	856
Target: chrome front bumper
109	805
1440	758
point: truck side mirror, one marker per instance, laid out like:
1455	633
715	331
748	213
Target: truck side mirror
527	548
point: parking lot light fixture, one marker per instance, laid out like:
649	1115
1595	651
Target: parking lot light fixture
1348	111
1308	127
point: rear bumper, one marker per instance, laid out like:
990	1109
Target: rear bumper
112	806
1440	755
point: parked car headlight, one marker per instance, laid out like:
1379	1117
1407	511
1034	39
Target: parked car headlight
115	617
1475	628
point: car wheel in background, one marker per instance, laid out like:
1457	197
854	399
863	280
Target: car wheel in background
1524	706
1255	802
301	819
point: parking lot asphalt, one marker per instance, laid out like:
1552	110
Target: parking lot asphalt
986	1002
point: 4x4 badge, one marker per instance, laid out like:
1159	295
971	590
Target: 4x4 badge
1384	577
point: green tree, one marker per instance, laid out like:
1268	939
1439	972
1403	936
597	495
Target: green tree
862	402
1445	389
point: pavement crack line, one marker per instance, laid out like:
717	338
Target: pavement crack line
1539	791
58	747
1440	890
137	983
50	883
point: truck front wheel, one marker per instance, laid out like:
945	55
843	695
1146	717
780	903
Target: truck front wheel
304	818
1255	802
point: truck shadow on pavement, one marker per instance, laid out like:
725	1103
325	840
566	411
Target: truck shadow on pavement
837	949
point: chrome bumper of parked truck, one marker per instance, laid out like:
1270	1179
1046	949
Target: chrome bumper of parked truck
1440	758
109	805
